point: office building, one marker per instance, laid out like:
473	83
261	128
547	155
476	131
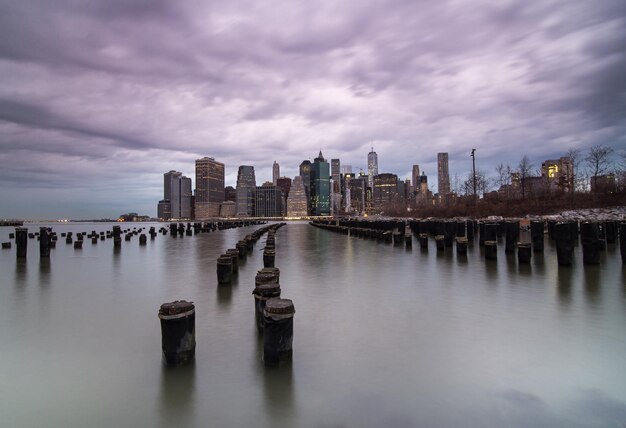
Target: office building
164	210
346	169
268	201
275	173
320	186
284	183
230	194
209	187
415	177
443	176
558	174
246	186
228	209
305	173
385	191
296	201
177	193
335	169
372	166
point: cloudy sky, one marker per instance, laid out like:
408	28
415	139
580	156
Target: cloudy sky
99	98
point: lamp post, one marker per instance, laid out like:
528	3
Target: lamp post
474	171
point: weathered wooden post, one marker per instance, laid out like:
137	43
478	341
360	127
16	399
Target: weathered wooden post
68	238
397	238
491	232
511	235
610	231
178	332
268	258
590	238
524	252
460	228
491	250
564	248
21	242
461	245
622	241
471	225
278	331
536	235
242	248
78	244
262	293
143	239
267	276
44	242
408	240
117	236
234	255
423	237
439	242
224	269
481	234
449	233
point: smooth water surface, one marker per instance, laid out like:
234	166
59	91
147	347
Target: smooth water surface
383	336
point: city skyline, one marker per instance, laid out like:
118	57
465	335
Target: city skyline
93	112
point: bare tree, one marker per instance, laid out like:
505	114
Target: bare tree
575	156
483	184
598	159
525	169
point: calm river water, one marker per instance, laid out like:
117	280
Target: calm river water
383	337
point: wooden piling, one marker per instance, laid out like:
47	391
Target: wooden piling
278	331
178	332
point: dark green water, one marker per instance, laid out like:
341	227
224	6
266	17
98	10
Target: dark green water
382	337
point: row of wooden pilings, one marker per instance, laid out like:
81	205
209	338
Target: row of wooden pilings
48	238
273	315
594	235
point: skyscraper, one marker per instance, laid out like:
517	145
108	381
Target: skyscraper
268	201
335	191
176	203
385	191
346	169
335	169
305	173
443	176
246	185
275	172
372	166
415	177
296	202
320	186
209	187
285	185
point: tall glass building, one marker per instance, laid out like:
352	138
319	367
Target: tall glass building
246	185
372	166
320	186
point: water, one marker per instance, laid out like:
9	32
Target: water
382	337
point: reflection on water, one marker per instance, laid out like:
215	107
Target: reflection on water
382	336
44	271
224	294
280	394
592	284
21	272
564	285
176	399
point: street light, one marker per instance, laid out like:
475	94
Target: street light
474	171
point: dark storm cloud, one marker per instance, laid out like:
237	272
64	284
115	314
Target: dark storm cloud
138	87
